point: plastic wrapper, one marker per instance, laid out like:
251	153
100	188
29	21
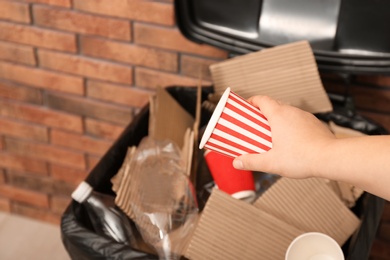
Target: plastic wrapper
162	201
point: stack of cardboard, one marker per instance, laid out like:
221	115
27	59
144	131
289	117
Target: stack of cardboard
233	229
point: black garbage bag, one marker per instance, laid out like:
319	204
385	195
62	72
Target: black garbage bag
81	242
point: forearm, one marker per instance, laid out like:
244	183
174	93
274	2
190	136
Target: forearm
361	161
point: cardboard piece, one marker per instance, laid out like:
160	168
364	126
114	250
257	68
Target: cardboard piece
309	205
343	132
287	73
233	229
168	119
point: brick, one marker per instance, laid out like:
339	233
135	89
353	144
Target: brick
147	11
41	115
380	249
77	22
22	130
2	176
386	212
152	79
370	98
29	197
38	37
92	161
90	108
58	204
5	205
46	152
30	182
23	163
374	80
41	78
79	142
128	96
334	87
1	143
17	53
14	11
36	213
10	90
67	174
102	129
63	3
196	67
172	39
384	231
39	184
374	99
129	53
87	67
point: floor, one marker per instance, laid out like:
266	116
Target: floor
24	238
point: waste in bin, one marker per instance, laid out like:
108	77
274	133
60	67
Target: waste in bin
82	243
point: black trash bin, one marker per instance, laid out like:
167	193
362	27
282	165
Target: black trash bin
347	36
82	243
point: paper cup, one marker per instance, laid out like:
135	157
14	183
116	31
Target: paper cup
236	127
314	246
239	184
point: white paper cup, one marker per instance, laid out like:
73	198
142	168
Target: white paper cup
314	246
236	128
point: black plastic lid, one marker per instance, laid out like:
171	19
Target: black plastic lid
349	36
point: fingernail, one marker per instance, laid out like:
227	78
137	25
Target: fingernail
238	164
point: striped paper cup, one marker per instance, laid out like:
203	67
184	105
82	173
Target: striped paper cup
236	128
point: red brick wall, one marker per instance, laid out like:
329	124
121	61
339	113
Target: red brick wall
73	74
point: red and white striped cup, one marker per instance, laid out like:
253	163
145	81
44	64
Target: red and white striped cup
236	128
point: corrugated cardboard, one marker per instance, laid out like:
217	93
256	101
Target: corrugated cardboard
287	72
168	119
343	132
233	229
309	205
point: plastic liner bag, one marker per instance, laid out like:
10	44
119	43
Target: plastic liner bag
105	218
158	196
99	230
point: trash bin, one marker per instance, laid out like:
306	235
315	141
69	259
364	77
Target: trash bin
82	243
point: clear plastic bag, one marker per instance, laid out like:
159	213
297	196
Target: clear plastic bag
163	204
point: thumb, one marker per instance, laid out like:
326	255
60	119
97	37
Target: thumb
266	104
254	162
